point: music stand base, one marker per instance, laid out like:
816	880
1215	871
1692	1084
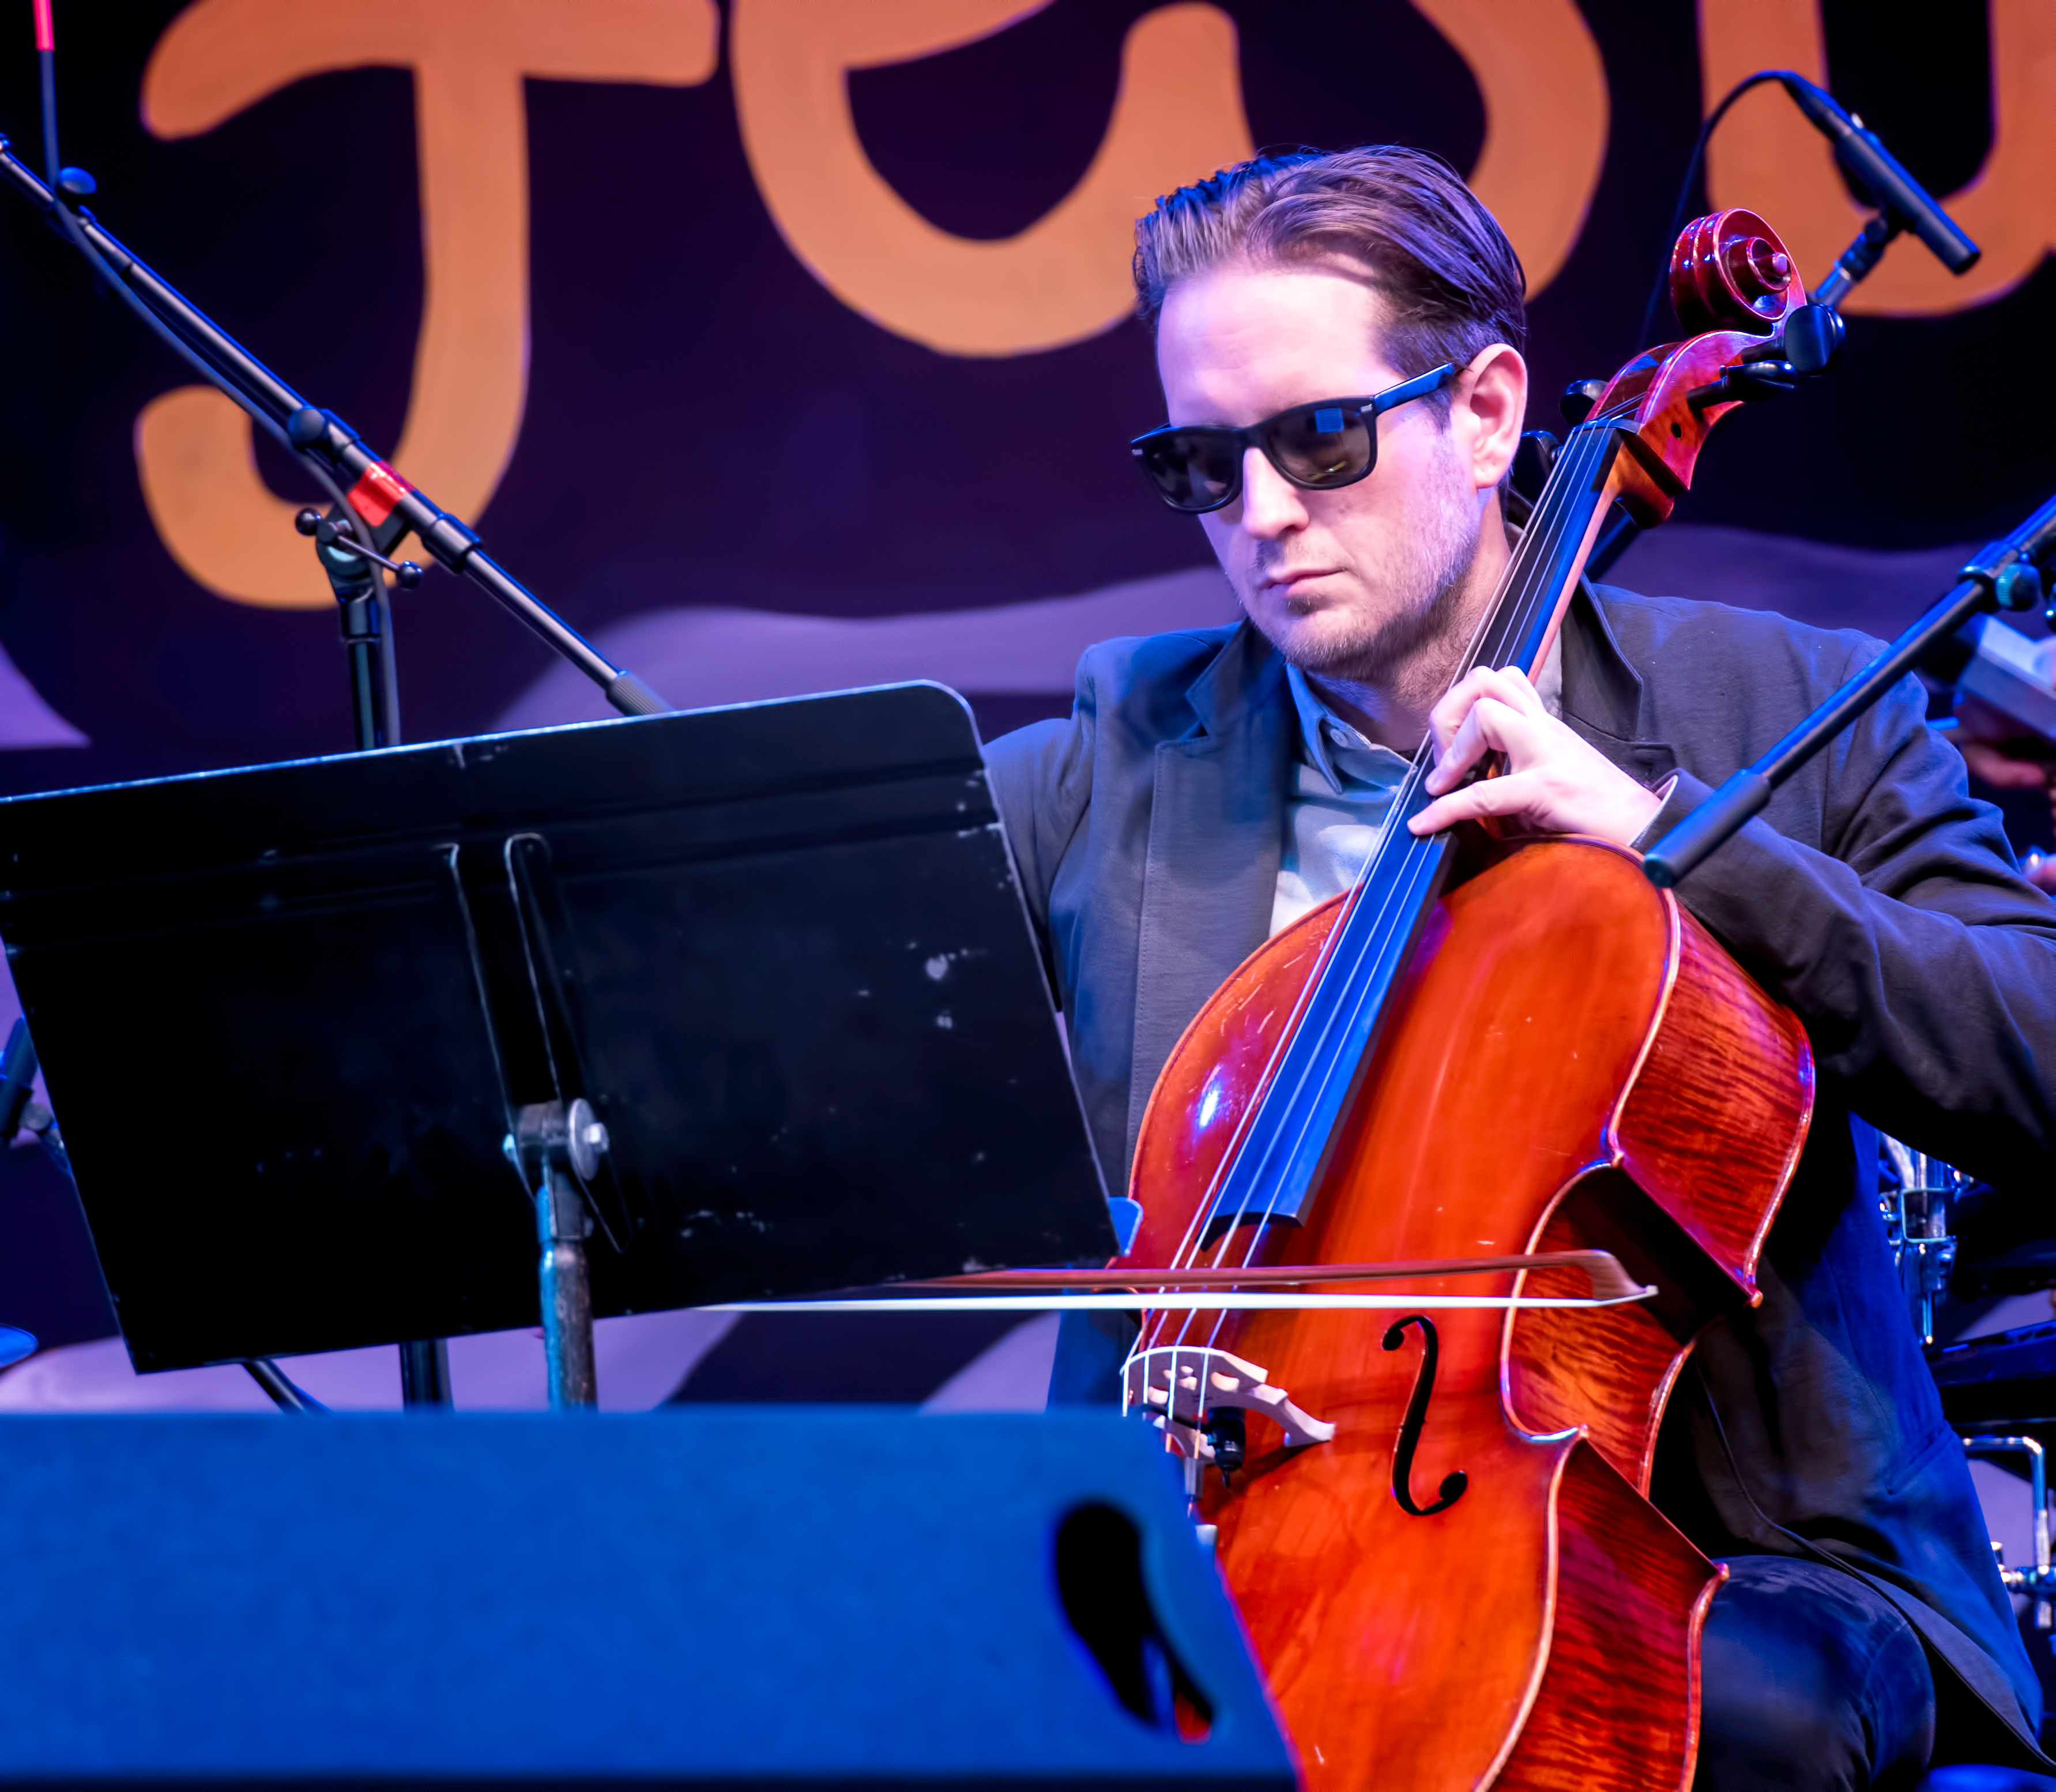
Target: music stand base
425	1377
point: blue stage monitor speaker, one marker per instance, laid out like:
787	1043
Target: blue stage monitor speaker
741	1594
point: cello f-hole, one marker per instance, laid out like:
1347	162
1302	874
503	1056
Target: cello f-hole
1416	1420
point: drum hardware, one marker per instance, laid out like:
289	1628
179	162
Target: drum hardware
2037	1583
2008	1378
2007	670
1914	1193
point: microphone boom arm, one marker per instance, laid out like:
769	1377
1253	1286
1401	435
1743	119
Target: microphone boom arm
374	488
2008	574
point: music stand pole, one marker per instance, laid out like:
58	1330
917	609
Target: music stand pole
554	1143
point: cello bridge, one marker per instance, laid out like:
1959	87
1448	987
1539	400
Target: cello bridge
1178	1385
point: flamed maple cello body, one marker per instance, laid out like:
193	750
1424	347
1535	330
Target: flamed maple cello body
1434	1519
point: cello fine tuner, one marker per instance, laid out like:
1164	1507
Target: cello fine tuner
1179	1384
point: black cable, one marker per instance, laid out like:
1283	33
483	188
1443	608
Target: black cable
286	1394
1658	292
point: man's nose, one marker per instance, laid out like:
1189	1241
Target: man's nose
1271	504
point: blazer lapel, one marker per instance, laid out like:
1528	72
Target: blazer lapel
1603	698
1216	836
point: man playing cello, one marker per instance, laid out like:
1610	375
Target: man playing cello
1213	784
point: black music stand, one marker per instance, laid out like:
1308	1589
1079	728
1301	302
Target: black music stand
290	1015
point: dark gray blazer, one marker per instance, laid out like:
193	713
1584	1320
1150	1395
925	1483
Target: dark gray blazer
1874	898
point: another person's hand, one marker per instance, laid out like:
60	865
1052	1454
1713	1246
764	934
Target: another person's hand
1554	782
1998	751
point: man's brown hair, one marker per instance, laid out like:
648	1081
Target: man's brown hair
1451	282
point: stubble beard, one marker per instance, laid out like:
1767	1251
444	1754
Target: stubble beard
1424	576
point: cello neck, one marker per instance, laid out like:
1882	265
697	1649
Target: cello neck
1640	445
1550	557
1271	1174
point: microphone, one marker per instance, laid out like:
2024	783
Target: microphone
1876	171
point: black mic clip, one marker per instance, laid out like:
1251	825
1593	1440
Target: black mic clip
338	535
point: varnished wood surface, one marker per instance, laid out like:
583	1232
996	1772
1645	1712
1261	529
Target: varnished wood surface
1418	1651
1618	1711
1721	1107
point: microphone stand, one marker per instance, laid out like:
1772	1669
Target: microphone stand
2008	574
320	441
374	509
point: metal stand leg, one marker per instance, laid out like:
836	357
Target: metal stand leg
425	1378
2038	1582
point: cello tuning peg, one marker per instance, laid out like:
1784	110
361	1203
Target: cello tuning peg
1754	379
1579	398
1532	458
1812	335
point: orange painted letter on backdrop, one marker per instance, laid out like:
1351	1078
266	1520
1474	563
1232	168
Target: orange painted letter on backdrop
469	59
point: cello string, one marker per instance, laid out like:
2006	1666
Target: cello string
1493	640
1406	889
1512	614
1503	622
1396	843
1487	640
1340	934
1402	880
1490	640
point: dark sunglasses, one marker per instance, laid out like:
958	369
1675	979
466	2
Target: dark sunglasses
1196	468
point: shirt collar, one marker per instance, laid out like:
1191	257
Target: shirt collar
1334	749
1342	755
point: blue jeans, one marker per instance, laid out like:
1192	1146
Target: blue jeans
1810	1679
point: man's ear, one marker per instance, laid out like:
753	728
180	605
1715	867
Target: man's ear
1488	409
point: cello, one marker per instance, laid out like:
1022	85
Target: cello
1435	1525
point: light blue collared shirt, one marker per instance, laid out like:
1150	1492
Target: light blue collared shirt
1340	796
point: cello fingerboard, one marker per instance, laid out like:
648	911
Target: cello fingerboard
1275	1168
